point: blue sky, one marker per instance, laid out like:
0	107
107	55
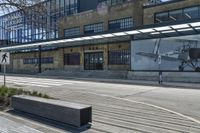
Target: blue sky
1	13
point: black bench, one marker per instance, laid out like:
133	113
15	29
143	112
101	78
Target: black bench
70	113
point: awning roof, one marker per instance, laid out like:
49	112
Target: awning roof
138	33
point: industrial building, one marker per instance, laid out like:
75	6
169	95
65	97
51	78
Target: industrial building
105	35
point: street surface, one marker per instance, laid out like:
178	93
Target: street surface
117	108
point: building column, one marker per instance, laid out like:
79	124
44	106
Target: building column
105	56
59	57
82	58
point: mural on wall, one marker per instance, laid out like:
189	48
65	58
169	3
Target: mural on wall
168	54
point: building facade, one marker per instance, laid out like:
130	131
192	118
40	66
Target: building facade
103	56
177	10
105	16
37	24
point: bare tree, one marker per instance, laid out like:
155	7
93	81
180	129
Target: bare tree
28	12
7	6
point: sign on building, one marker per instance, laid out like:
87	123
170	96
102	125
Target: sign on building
4	58
171	54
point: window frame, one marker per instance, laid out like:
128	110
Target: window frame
114	60
94	24
183	18
67	60
72	30
121	19
44	60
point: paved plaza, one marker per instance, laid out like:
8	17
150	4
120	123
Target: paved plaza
117	108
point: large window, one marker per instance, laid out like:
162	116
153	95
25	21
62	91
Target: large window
72	59
72	32
112	2
46	60
178	15
119	57
192	12
162	17
93	28
121	24
35	25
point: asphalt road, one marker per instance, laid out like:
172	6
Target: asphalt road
117	108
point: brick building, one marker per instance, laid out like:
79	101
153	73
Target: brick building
101	17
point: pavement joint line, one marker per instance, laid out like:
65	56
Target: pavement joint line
136	82
29	84
147	104
41	80
91	81
44	79
31	122
127	82
21	127
45	83
167	126
148	119
139	93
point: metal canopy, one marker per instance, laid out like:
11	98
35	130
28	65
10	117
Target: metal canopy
190	27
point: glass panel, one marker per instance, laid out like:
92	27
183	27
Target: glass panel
45	60
119	57
176	15
36	26
67	7
93	28
192	12
162	17
72	59
72	32
111	2
57	4
121	24
93	61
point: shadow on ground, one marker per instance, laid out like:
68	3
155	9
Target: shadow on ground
48	122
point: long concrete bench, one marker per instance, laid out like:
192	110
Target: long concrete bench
70	113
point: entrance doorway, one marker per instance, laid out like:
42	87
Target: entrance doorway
93	61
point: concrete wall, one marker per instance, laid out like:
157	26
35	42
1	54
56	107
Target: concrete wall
150	11
187	77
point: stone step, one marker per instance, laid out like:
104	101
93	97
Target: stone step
87	74
187	77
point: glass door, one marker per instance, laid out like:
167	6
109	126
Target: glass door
93	61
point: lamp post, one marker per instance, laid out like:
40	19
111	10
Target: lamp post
160	72
39	59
